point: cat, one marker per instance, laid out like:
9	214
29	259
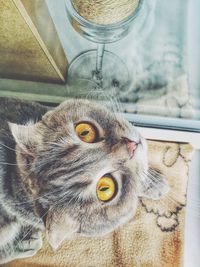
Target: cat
77	169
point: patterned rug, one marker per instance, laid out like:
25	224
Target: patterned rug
154	238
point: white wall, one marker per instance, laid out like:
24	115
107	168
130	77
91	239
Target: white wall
192	229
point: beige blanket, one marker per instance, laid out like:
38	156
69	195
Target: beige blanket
154	238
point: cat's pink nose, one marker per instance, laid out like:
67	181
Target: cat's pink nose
131	146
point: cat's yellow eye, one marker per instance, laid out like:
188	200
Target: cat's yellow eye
106	188
86	132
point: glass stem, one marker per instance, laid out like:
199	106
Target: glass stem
99	61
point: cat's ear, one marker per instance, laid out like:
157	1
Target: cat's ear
59	227
154	185
24	135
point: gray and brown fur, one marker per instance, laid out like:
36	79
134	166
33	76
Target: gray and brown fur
48	176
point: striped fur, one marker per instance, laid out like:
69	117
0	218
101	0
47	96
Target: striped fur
56	174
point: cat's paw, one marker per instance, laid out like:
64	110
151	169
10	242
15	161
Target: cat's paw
29	247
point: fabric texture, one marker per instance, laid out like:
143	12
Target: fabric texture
154	238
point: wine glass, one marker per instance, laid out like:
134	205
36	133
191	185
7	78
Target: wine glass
100	69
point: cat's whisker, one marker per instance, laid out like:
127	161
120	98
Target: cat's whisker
58	144
151	176
156	184
110	100
113	100
38	198
163	202
14	164
10	148
107	98
166	196
75	197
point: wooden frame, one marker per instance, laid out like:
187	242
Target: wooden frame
30	48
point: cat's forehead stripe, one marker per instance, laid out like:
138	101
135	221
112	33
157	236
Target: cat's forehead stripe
68	172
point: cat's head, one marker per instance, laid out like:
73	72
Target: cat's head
84	167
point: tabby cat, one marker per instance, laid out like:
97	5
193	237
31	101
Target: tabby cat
77	169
